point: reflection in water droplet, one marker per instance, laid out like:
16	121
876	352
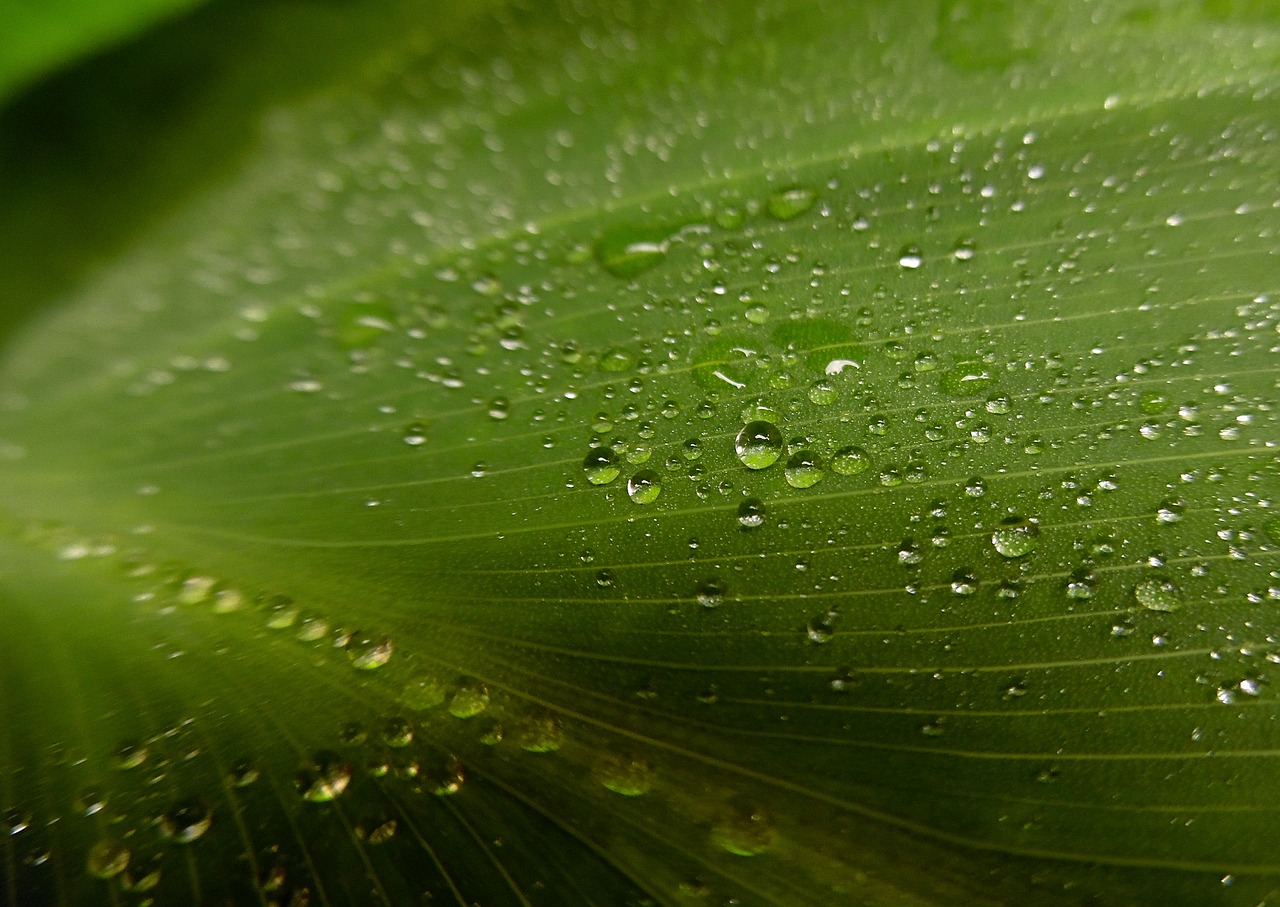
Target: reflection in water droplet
804	469
397	733
910	257
627	250
186	821
1016	537
369	653
759	444
601	465
469	699
963	582
107	859
751	513
849	461
709	593
1080	584
1170	511
627	775
744	830
644	487
323	778
791	203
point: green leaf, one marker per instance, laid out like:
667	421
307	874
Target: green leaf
651	454
38	38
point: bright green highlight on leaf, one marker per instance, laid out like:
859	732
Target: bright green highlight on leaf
605	453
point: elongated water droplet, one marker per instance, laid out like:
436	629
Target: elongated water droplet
790	203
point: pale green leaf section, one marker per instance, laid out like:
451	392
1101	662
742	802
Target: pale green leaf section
766	454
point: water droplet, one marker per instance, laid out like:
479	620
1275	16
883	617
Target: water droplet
804	469
975	487
1170	511
129	755
469	699
243	774
628	250
751	513
369	653
822	627
963	582
353	733
964	250
710	593
539	733
186	821
849	461
415	434
967	378
1080	584
910	257
644	487
744	830
601	465
324	777
107	859
397	733
1158	595
627	775
787	204
1016	537
499	408
822	393
423	693
759	444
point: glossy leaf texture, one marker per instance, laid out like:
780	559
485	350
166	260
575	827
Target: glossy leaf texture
662	454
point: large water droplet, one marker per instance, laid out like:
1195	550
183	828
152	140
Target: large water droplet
628	250
849	461
107	859
368	653
627	775
644	487
324	777
1158	595
744	830
601	465
469	699
790	203
186	821
751	513
804	469
759	444
1016	537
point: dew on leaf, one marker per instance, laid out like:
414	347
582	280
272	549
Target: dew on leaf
107	859
369	653
1015	537
186	821
787	204
744	830
803	469
324	777
849	461
469	699
1158	595
758	444
751	513
601	466
628	250
627	775
644	487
